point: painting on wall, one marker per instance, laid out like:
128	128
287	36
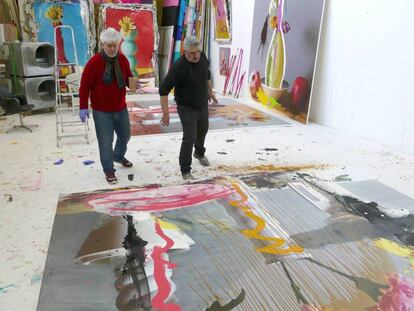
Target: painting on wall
224	59
221	11
138	27
41	17
220	244
288	43
229	113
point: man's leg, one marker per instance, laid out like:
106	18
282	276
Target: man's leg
123	134
202	129
104	126
188	122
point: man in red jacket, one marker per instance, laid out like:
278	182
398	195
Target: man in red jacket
104	81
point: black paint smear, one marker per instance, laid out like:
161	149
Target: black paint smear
216	306
402	228
270	149
221	152
229	140
140	299
263	34
263	181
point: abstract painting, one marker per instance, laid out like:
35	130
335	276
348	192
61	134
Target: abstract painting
138	26
221	17
44	16
224	59
253	241
145	117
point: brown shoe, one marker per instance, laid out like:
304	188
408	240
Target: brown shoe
111	178
125	163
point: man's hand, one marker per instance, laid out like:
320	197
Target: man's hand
83	115
165	120
213	99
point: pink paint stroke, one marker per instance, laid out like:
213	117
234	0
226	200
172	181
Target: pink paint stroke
163	284
155	198
36	184
168	3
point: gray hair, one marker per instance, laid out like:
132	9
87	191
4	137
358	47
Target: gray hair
191	41
110	35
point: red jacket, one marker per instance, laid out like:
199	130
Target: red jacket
107	98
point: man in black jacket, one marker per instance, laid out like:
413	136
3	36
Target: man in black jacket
190	76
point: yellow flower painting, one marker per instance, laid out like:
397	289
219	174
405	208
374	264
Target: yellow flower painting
127	25
54	13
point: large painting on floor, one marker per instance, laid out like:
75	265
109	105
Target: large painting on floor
229	113
257	241
285	38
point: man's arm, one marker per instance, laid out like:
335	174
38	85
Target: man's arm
211	94
165	89
86	83
165	120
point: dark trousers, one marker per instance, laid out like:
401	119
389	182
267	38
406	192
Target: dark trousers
195	127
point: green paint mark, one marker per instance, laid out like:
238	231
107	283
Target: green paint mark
273	102
36	278
5	289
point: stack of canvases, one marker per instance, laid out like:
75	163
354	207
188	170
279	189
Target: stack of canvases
135	19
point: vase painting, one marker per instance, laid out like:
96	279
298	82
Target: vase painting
128	45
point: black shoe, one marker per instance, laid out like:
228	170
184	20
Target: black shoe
203	160
187	176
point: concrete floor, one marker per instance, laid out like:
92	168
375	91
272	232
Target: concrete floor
30	184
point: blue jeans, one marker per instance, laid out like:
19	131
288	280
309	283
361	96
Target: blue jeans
106	123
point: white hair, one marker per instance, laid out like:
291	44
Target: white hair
110	35
191	41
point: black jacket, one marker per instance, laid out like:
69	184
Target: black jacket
189	81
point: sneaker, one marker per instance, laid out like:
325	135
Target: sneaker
187	176
125	163
111	178
203	160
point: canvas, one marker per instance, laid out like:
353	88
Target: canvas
252	241
49	14
138	27
224	59
285	37
145	117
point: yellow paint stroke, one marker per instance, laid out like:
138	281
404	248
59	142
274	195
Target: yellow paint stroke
396	249
165	225
270	168
273	248
261	96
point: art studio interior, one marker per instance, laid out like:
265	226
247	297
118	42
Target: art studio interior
206	155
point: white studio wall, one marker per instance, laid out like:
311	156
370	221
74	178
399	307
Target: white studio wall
365	75
242	25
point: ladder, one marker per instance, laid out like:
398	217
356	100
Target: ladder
67	82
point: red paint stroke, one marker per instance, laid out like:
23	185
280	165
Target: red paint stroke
36	183
155	198
160	265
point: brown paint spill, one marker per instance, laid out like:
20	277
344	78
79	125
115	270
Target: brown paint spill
270	168
278	243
